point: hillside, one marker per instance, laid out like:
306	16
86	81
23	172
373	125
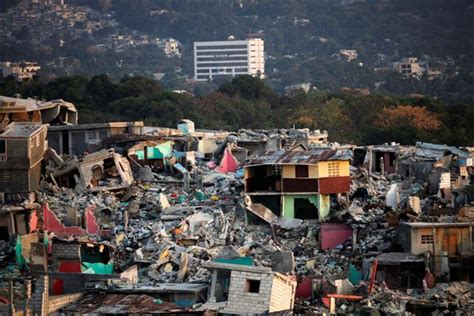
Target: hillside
303	39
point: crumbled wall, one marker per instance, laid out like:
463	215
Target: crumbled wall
283	293
70	251
58	301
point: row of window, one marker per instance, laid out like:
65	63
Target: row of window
228	52
240	46
206	71
222	58
211	65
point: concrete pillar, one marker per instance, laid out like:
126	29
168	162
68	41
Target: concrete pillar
212	292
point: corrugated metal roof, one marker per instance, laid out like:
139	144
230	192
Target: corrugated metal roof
122	304
299	157
437	151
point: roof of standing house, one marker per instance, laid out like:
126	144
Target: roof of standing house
21	130
299	157
395	258
437	225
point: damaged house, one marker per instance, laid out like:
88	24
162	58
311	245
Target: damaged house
81	138
449	247
298	183
102	170
52	112
244	290
22	148
381	159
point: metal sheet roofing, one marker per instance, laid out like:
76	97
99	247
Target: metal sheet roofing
299	157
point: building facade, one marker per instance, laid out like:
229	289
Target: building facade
229	58
450	246
411	68
21	71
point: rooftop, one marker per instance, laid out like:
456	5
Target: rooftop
21	129
395	258
429	224
301	157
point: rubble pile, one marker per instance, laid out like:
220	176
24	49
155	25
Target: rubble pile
193	228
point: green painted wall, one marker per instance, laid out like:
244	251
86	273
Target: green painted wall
288	202
324	205
321	201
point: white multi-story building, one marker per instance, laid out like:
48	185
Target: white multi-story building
229	58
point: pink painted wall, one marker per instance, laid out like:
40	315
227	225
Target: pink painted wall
333	234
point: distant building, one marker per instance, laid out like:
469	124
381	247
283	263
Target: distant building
229	58
348	54
21	71
172	47
411	68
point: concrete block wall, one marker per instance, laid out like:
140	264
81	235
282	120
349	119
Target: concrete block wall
58	301
67	251
283	293
39	299
240	301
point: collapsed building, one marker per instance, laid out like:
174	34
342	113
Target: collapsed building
120	218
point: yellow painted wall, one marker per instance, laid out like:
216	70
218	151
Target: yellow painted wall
313	171
249	172
288	172
324	166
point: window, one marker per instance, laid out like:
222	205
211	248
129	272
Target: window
301	171
333	169
92	137
5	176
252	286
426	239
3	150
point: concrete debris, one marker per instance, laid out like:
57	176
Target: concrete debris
183	219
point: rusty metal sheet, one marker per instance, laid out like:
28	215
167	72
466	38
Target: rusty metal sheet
307	157
334	185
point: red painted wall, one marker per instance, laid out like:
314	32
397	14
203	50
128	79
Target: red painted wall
334	185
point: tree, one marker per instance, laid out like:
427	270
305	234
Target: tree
247	87
407	124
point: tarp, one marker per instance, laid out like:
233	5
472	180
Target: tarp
228	162
97	268
19	256
354	275
245	261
